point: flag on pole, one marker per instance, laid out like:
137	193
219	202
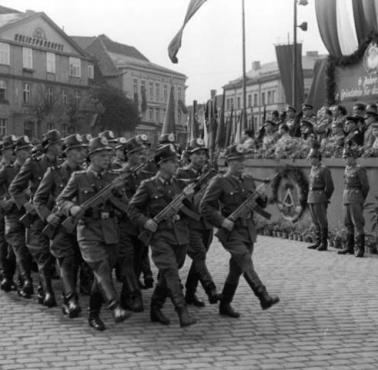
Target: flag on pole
175	44
239	133
169	126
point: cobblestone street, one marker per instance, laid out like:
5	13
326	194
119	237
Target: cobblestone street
327	319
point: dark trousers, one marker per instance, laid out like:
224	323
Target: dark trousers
168	258
7	256
318	213
354	221
199	243
15	237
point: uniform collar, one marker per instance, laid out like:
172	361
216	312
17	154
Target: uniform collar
96	174
163	180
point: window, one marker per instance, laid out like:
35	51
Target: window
77	97
50	62
238	102
135	84
269	97
263	98
90	71
179	116
232	103
255	100
178	93
75	67
3	89
27	58
150	114
165	93
4	53
3	126
151	91
273	96
157	92
65	97
50	95
50	126
157	115
249	100
26	93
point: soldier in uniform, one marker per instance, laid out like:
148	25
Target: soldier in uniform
354	135
131	248
7	257
230	190
27	180
120	157
97	230
200	231
63	246
170	238
356	188
320	191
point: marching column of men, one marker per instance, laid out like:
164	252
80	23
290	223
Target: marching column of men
75	204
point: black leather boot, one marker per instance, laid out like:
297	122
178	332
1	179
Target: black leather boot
324	240
7	284
157	315
266	301
349	245
26	290
317	241
119	314
212	293
225	308
137	302
71	307
360	246
95	303
184	316
86	278
40	293
49	296
192	299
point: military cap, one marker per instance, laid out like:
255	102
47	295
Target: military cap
359	106
121	142
307	106
290	107
86	138
167	138
143	138
306	122
315	151
371	110
133	145
196	145
8	142
22	142
51	137
165	153
109	135
73	142
354	118
98	144
235	151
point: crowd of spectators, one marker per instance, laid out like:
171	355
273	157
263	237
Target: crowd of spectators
291	134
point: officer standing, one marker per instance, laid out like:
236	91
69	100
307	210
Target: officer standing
28	179
97	230
320	191
231	190
7	173
63	246
356	188
200	231
170	238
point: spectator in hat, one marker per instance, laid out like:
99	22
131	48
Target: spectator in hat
291	121
275	118
359	110
308	113
307	128
323	123
269	137
371	117
354	135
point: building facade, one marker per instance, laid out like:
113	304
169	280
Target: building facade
147	83
44	76
264	92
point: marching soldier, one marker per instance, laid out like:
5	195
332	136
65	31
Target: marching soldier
7	257
200	231
27	180
131	248
169	239
356	188
97	230
120	157
231	190
320	191
63	246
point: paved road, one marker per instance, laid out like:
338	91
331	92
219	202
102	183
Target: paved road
327	319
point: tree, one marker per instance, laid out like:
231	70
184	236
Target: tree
119	113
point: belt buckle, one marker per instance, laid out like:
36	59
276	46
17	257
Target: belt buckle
105	215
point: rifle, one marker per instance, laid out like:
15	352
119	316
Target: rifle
247	206
176	204
102	196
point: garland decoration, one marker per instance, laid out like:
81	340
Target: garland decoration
344	61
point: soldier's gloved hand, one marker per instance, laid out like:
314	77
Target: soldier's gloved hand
75	210
29	207
188	191
151	225
52	219
227	224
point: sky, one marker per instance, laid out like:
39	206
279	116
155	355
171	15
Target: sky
211	51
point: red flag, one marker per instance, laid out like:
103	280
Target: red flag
169	126
175	44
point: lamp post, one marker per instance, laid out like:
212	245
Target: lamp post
303	27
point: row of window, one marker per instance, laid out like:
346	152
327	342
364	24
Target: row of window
267	98
157	114
154	90
27	61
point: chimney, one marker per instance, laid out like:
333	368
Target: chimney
312	53
256	65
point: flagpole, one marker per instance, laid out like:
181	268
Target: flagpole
244	111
